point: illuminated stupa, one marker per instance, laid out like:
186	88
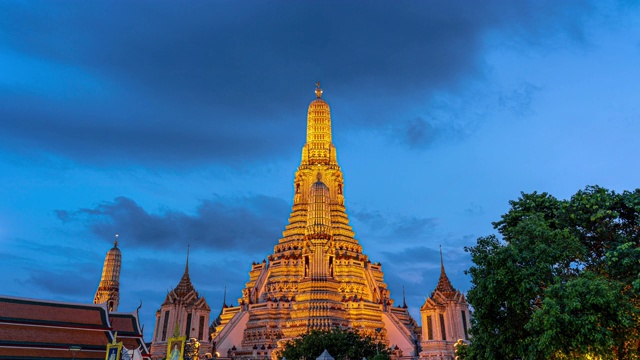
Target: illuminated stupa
317	276
109	289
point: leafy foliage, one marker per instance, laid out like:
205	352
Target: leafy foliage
563	282
341	344
461	350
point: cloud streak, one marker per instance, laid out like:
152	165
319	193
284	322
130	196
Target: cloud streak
251	223
398	227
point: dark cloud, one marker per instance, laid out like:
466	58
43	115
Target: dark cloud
168	85
519	100
396	226
418	133
474	210
251	224
417	254
65	283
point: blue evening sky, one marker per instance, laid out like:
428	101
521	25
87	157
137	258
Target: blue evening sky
182	123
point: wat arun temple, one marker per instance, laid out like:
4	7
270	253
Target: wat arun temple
317	278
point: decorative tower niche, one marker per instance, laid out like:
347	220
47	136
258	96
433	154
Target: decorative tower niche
445	320
183	309
109	289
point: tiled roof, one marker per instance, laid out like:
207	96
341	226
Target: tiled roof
124	324
444	285
53	313
16	334
38	329
19	353
129	331
184	286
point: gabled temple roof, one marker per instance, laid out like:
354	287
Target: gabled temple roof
53	313
185	286
129	331
444	285
33	328
444	290
185	292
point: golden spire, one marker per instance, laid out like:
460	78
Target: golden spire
109	289
318	149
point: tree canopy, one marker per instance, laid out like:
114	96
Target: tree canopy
563	282
341	344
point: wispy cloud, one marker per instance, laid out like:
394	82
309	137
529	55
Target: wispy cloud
396	226
251	223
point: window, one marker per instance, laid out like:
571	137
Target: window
429	328
444	333
464	324
166	323
187	331
201	328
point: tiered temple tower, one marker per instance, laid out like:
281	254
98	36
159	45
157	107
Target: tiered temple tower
109	289
317	276
445	320
184	311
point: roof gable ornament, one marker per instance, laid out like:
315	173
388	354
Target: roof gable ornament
444	285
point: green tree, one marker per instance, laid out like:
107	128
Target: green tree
562	282
341	344
461	350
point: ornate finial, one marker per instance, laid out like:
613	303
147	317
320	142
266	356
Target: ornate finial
318	90
186	268
444	285
224	297
404	298
319	176
115	244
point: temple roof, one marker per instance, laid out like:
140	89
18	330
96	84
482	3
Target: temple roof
32	329
45	312
184	287
129	331
444	285
185	292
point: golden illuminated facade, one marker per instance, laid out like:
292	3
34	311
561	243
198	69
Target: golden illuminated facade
317	276
109	289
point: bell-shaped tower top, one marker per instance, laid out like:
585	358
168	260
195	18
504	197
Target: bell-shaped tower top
319	144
